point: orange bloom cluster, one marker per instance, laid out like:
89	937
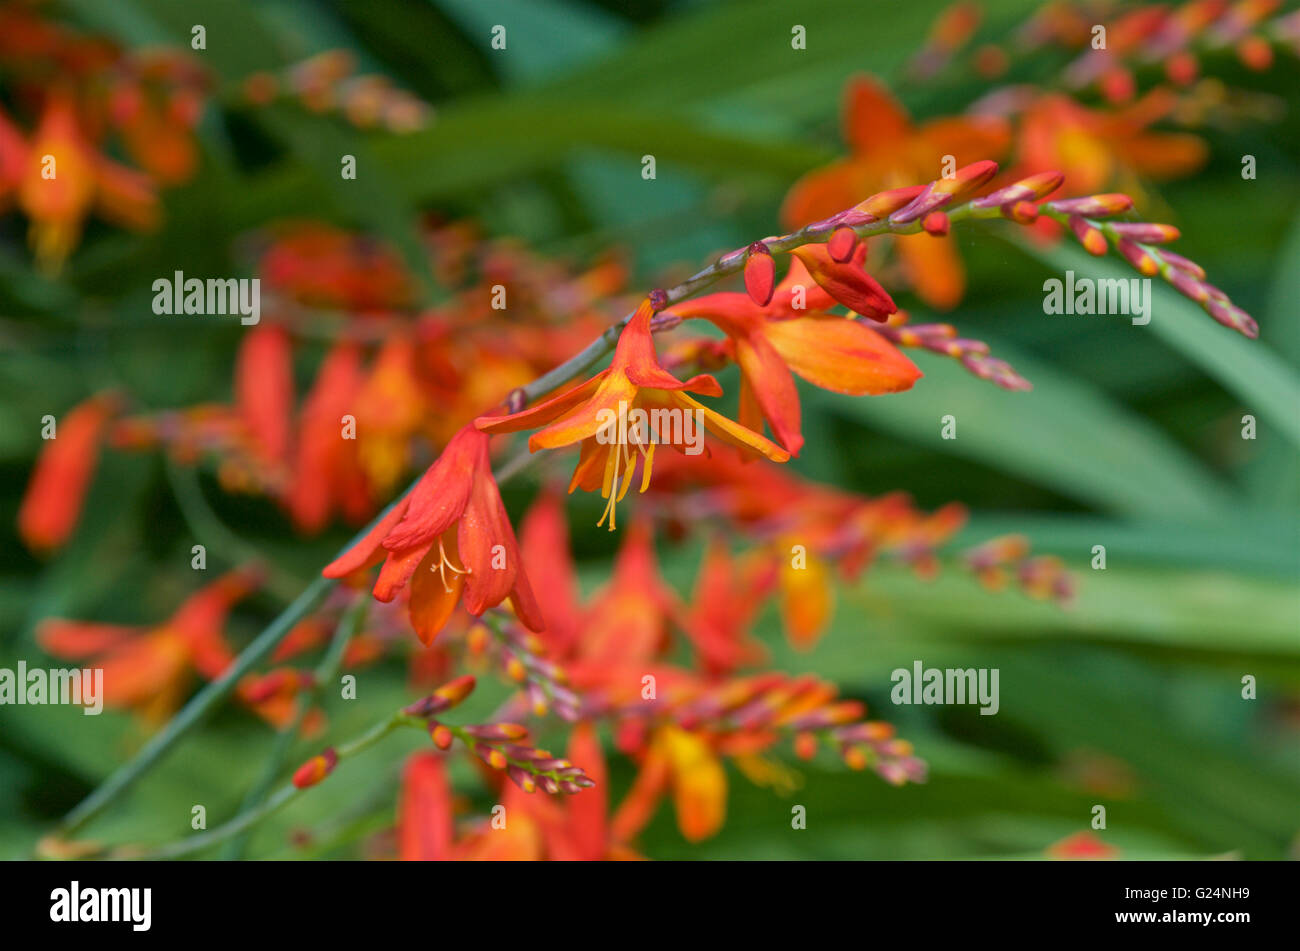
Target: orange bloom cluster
53	161
148	668
326	83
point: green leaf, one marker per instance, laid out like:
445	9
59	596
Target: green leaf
1064	434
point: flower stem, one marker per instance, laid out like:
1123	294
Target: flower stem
282	797
325	671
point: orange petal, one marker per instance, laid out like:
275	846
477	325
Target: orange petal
873	119
264	389
699	784
77	639
770	385
545	411
443	491
58	486
841	355
367	551
424	822
806	600
934	268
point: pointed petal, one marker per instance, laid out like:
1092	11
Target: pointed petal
841	355
545	411
934	267
424	823
368	550
771	385
443	491
588	810
873	119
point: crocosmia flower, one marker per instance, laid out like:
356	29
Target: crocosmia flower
834	353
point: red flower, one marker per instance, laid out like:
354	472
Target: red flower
63	471
453	517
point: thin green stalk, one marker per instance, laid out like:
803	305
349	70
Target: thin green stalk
325	673
282	797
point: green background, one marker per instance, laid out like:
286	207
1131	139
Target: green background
1130	439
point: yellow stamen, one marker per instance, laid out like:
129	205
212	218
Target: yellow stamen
444	562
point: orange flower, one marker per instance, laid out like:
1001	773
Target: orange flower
63	472
148	668
591	413
629	619
834	353
685	764
326	471
389	410
1095	148
63	178
453	514
544	544
264	393
729	593
424	817
1082	845
538	827
888	151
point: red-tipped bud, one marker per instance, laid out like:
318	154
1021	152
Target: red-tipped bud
1255	53
1232	316
1118	85
1184	264
1137	256
967	180
760	274
493	757
454	691
935	223
522	779
805	745
516	670
1093	206
929	200
1093	241
883	204
315	769
842	243
498	731
855	757
1033	188
1021	212
1182	68
846	282
1187	285
1146	232
442	737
